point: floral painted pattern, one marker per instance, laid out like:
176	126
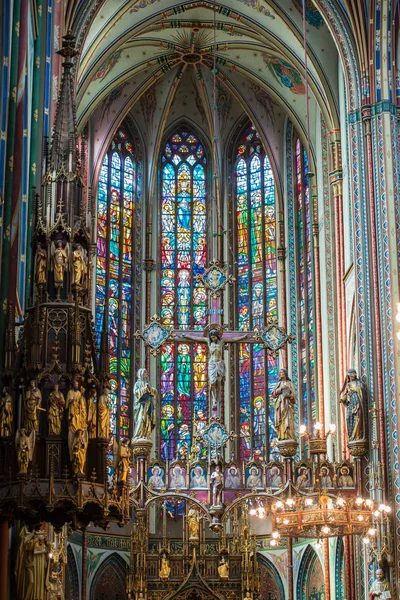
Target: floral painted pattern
285	74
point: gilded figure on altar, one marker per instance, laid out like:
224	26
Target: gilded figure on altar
59	263
41	265
76	408
79	262
31	568
32	404
103	409
55	410
6	414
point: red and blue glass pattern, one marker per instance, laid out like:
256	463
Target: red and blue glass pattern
257	292
114	271
183	299
306	324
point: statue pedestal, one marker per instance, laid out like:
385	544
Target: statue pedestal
358	447
287	448
142	446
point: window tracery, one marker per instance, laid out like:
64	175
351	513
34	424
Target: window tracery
256	292
183	298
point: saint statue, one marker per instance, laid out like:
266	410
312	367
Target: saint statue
193	525
25	445
354	397
92	412
223	569
76	407
54	582
165	569
217	482
55	410
41	264
33	402
6	414
247	596
123	460
78	448
380	587
143	406
32	565
103	407
285	399
79	265
60	263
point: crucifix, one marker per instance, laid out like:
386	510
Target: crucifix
214	279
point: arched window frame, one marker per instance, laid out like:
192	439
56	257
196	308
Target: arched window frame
305	279
172	445
118	224
250	148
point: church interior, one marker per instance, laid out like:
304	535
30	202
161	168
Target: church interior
199	300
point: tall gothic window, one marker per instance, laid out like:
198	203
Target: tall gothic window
255	227
305	282
183	299
114	269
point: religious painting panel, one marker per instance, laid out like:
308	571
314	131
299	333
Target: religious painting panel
233	477
254	476
303	475
274	475
156	476
345	475
198	476
177	476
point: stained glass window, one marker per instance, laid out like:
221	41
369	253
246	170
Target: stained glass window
255	225
304	271
183	299
114	270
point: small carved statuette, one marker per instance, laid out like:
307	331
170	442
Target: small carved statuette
55	408
60	263
78	451
6	414
104	414
223	569
31	566
143	407
79	262
354	397
165	569
123	461
41	265
33	403
217	483
285	400
25	445
92	412
380	587
76	407
193	525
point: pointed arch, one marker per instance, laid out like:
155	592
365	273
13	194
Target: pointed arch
71	577
339	570
270	581
310	580
109	581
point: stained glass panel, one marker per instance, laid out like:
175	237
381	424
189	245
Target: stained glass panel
257	292
115	203
183	299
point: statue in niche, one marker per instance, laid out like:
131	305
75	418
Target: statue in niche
55	410
217	483
41	265
193	522
103	409
144	397
78	443
285	400
31	568
92	412
32	404
25	445
165	569
79	262
223	569
380	587
124	454
59	263
6	414
354	397
76	407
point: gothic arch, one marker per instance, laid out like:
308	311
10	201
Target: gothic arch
310	580
270	580
339	570
109	582
71	577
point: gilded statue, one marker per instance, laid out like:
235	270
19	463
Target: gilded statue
124	454
223	569
78	442
217	483
59	263
76	407
25	445
32	404
247	596
79	263
55	410
193	524
285	400
143	406
92	412
165	569
54	582
354	397
380	587
6	414
41	264
103	409
31	568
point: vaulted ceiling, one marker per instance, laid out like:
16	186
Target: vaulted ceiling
161	61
